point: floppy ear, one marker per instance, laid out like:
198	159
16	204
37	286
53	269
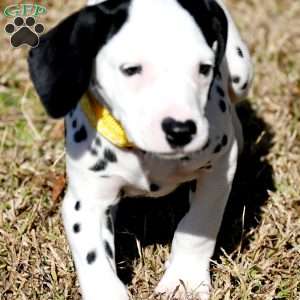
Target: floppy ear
61	66
212	21
220	30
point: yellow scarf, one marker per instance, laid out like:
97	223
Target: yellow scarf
103	121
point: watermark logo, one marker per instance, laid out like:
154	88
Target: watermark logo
24	29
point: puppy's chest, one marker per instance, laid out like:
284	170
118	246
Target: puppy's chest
163	176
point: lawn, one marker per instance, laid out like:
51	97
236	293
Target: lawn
258	252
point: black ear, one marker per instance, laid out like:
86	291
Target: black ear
212	21
219	29
61	66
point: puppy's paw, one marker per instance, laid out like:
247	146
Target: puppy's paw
110	290
183	281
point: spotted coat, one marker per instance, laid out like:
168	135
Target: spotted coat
169	71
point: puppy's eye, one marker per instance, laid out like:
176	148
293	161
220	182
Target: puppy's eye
131	70
205	69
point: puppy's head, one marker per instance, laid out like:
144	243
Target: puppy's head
153	62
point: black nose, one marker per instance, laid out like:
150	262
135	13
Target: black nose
179	134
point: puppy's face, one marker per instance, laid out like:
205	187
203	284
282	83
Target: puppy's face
153	62
155	75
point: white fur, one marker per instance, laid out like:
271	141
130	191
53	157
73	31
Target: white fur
93	2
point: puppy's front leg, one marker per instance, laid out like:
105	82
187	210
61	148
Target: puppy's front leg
195	237
89	228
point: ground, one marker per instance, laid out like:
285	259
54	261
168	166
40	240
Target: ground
258	252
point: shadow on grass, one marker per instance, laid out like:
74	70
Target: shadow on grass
153	221
253	180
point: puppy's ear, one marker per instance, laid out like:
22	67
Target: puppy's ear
61	66
219	32
212	21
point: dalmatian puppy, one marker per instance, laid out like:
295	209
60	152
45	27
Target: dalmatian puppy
164	70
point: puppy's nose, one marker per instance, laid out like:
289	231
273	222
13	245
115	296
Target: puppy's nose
178	134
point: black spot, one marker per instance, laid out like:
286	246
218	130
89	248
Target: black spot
185	158
224	140
110	155
244	86
109	223
218	148
80	135
99	166
193	186
76	227
208	167
154	187
108	250
94	152
107	212
71	113
104	176
91	257
206	145
220	91
240	52
236	79
222	105
97	141
77	205
74	124
122	193
65	130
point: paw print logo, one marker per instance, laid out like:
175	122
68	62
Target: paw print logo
24	32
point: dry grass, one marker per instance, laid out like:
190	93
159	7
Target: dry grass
258	253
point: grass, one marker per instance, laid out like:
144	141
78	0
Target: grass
258	252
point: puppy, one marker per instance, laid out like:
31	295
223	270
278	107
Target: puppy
144	87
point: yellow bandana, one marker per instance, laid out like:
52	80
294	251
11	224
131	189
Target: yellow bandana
103	121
